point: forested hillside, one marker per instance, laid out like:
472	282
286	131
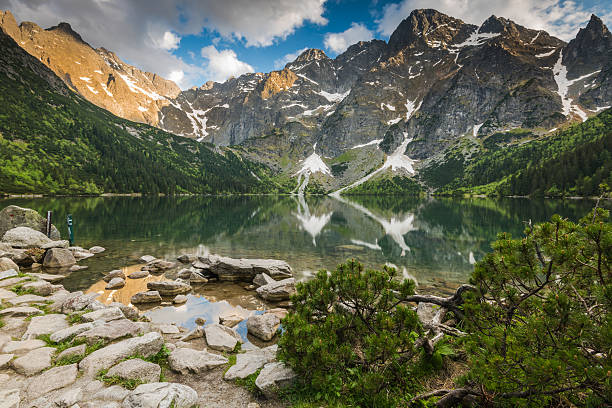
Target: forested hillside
54	142
573	161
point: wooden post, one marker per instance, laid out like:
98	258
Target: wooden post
70	231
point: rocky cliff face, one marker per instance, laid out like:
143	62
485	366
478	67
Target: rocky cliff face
97	74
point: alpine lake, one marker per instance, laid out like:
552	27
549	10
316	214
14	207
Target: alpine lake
434	241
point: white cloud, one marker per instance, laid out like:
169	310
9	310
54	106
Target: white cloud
559	18
223	64
136	29
339	42
176	76
169	41
281	62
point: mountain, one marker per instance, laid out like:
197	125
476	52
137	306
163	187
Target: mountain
97	74
53	141
410	114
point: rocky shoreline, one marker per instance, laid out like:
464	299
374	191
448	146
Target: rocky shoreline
68	349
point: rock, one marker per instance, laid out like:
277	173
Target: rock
248	363
179	299
128	311
112	393
264	326
20	311
108	356
115	283
200	321
56	244
277	290
197	278
168	329
26	299
427	311
136	369
58	258
71	352
187	258
76	268
147	258
161	395
220	337
77	301
69	398
262	279
230	318
230	269
14	216
21	347
184	273
116	273
7	263
46	324
138	274
5	359
186	361
8	274
279	311
34	361
201	264
6	294
193	334
109	331
79	256
69	332
10	398
169	288
158	265
107	314
52	379
97	249
151	296
25	237
41	288
274	376
253	405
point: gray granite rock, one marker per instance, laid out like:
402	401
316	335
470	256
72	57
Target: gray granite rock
69	332
58	258
115	283
71	352
264	326
106	357
41	288
110	331
169	288
161	395
10	398
25	237
138	274
274	376
52	379
248	363
20	311
106	314
185	360
277	290
115	273
221	338
262	279
179	299
46	324
151	296
34	361
136	369
21	347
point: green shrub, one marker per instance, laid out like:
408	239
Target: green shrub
350	338
540	318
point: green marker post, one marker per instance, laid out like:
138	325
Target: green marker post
70	230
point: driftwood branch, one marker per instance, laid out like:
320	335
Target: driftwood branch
451	303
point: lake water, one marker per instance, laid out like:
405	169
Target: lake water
435	241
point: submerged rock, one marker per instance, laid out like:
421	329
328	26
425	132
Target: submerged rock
244	270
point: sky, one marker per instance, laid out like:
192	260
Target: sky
194	41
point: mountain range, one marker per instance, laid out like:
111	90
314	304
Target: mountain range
412	114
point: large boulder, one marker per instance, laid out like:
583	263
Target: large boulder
34	362
136	369
277	290
14	216
52	379
264	326
161	395
248	363
109	331
7	263
25	237
221	338
169	288
244	270
59	258
274	376
46	324
186	360
107	314
151	296
41	288
106	357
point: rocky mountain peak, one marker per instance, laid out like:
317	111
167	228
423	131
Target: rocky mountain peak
8	24
425	27
596	26
66	28
278	81
591	49
311	54
493	24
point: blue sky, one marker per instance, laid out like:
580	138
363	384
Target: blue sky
192	41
